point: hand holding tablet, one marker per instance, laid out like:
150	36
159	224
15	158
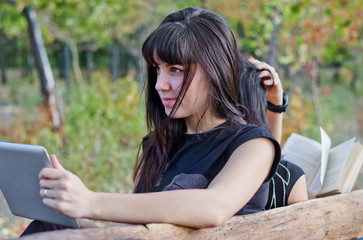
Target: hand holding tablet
20	165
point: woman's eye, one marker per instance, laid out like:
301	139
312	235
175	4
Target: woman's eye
176	70
157	69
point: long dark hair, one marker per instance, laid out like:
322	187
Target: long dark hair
253	97
185	38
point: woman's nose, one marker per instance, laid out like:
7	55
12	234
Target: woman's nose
162	82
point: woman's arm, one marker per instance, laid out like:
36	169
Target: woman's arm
298	192
274	95
231	189
275	122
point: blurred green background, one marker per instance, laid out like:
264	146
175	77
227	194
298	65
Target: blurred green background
94	51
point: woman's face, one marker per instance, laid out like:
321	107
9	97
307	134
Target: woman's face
168	85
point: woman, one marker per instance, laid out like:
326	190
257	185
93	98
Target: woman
202	162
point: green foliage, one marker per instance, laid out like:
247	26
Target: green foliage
104	125
12	20
339	113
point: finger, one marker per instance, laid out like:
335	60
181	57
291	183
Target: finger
258	64
53	203
262	65
45	193
51	173
49	184
265	75
52	194
55	162
267	78
42	193
253	60
269	82
268	74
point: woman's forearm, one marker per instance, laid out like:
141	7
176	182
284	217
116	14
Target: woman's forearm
229	191
182	207
275	119
275	122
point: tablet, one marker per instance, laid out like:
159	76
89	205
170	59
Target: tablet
20	165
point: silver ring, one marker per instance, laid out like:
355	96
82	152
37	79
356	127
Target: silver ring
45	193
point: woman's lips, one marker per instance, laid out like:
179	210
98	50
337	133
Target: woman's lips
168	102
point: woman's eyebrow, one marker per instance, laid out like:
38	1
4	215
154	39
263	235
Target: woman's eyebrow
178	65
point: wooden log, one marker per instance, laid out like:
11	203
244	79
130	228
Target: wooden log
334	217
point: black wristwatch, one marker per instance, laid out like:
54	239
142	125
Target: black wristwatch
279	108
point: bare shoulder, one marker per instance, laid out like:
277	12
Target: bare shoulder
257	147
251	157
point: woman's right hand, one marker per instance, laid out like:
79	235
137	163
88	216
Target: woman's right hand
64	191
274	92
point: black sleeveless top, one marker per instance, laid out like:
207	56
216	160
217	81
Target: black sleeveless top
281	184
201	157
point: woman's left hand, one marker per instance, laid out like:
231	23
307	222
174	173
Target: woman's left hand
271	81
64	191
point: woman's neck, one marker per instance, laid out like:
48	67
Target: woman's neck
199	125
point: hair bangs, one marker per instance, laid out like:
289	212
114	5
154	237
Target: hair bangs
170	45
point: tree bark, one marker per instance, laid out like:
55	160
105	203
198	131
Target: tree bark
114	59
334	217
89	61
75	61
3	43
51	95
272	59
67	66
140	35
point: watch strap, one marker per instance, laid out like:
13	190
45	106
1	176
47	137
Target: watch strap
279	108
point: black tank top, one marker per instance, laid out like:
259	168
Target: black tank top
281	184
201	157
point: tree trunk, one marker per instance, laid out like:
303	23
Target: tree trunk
89	61
29	70
3	56
75	62
114	59
334	217
356	82
136	53
272	46
51	95
16	52
315	91
67	65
